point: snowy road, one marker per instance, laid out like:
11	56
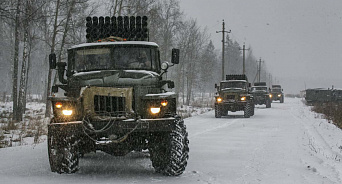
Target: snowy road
284	144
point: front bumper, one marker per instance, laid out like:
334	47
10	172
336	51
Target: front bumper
116	126
233	105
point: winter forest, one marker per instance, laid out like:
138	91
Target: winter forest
31	30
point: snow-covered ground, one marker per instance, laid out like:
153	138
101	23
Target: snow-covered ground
285	144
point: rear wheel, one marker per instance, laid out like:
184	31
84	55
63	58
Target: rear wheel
170	151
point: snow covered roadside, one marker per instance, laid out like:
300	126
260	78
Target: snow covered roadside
323	140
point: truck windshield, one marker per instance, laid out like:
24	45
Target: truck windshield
105	58
259	89
233	84
276	90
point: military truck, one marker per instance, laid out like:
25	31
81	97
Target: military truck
116	99
261	94
233	95
277	93
319	95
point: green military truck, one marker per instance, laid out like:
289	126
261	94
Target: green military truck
260	94
116	99
233	95
277	93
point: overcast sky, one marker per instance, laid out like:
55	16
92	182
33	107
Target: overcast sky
299	40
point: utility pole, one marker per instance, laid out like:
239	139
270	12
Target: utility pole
259	69
223	32
243	59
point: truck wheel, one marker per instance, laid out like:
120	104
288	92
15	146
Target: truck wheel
218	111
248	110
268	104
63	152
170	152
282	100
252	109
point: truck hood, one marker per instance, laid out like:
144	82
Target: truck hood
116	78
233	90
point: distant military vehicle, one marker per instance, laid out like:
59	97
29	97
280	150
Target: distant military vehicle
277	93
116	99
320	95
233	95
261	94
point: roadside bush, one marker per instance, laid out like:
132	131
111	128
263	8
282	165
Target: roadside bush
332	112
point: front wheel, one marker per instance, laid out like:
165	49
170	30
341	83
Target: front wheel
218	111
248	110
282	99
268	103
170	151
63	152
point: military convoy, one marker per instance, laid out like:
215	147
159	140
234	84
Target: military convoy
261	94
277	93
233	94
116	99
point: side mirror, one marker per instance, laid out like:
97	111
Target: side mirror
54	89
171	85
249	85
175	56
52	61
215	86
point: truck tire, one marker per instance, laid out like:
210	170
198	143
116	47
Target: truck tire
268	103
170	151
282	99
252	109
63	152
247	110
218	111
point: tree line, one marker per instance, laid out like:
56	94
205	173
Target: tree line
32	29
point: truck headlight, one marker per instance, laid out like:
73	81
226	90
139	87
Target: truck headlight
219	99
155	110
270	96
67	112
164	103
279	95
243	98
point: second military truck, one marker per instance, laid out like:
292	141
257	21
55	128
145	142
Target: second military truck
233	95
260	94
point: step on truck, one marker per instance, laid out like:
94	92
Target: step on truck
261	94
233	95
115	99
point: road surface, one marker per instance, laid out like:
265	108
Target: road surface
284	144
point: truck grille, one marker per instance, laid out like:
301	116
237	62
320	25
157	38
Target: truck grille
112	105
230	97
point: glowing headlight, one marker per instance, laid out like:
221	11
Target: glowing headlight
279	95
219	99
155	110
58	105
243	98
67	112
164	103
270	96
